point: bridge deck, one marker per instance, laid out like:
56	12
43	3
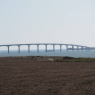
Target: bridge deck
54	44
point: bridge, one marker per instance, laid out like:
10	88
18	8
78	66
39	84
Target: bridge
78	47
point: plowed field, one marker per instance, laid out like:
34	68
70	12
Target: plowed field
25	76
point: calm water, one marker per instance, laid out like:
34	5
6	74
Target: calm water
76	54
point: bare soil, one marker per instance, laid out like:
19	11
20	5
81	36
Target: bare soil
28	76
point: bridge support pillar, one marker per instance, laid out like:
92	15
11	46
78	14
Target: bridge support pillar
72	48
77	48
53	48
37	48
82	48
18	48
60	48
28	48
66	47
86	48
8	49
46	48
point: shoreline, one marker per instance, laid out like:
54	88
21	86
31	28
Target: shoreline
52	58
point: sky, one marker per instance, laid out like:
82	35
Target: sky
47	21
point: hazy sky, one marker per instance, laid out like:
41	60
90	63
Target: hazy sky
47	21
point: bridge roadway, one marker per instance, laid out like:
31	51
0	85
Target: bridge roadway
53	44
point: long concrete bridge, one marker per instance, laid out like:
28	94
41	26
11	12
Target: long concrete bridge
78	47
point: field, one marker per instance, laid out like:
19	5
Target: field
32	76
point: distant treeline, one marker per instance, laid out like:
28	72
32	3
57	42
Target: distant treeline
72	59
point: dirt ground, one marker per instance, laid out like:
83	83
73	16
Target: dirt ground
28	76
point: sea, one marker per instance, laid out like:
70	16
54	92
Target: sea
63	53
